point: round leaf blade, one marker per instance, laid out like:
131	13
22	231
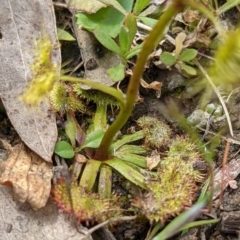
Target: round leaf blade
64	149
168	59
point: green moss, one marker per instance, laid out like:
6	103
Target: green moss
176	185
157	133
185	149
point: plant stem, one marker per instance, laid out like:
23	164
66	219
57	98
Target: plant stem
151	41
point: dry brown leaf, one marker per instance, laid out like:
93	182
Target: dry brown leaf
22	23
190	16
153	160
233	184
191	39
179	18
89	6
155	85
202	38
28	174
225	175
179	43
96	62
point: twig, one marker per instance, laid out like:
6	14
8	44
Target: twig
207	126
145	27
231	140
226	151
57	4
76	68
110	220
231	93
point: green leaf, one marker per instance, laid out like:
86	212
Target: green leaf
135	159
168	59
189	70
127	33
64	35
226	6
148	21
104	184
131	154
188	55
200	223
100	118
90	174
127	139
178	223
108	42
93	140
117	73
107	20
131	24
136	50
133	149
123	39
115	4
64	149
128	172
71	131
140	5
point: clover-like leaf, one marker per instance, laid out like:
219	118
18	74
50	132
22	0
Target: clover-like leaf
115	4
108	42
117	73
107	20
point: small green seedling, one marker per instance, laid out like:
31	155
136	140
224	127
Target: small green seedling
181	59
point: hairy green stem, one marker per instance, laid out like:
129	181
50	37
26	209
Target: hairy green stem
98	86
100	118
151	41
